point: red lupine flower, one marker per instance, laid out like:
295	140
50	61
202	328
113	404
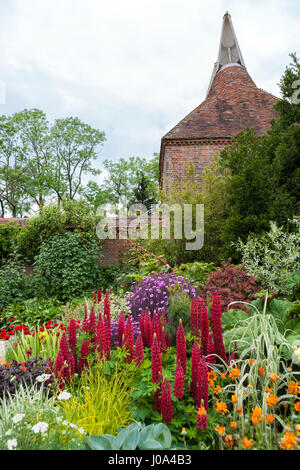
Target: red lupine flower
181	346
156	363
129	340
95	298
99	296
103	342
166	402
204	329
139	351
85	323
84	354
179	382
121	328
142	327
106	312
196	354
64	346
59	366
92	321
216	324
157	327
71	364
72	335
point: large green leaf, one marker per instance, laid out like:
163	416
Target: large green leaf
232	317
99	443
131	440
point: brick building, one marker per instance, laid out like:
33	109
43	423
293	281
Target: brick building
233	102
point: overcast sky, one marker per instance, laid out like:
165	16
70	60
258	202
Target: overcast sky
133	68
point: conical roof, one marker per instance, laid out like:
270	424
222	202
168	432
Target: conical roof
233	102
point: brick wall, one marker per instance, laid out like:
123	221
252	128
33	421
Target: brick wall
178	155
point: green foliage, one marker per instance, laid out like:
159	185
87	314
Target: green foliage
135	436
14	284
70	216
197	271
67	266
33	312
8	240
274	256
179	308
100	404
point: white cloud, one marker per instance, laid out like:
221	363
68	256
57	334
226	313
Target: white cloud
134	68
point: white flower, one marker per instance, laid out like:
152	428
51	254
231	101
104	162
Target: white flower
43	378
8	433
40	427
65	423
73	426
17	418
64	396
12	444
81	430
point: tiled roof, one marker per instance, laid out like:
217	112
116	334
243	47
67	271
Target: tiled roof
233	102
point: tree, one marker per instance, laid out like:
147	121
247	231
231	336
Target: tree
73	145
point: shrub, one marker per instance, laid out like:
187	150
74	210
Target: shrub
233	284
197	271
33	311
67	266
69	216
273	256
14	284
153	291
15	374
8	240
101	404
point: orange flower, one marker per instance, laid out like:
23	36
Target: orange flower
250	384
247	443
233	425
221	408
6	364
251	361
217	390
289	441
274	377
270	418
223	375
229	440
261	370
294	388
298	429
220	430
235	373
234	398
269	390
271	400
212	375
297	406
201	411
239	410
256	415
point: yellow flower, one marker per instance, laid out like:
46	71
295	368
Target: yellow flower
221	408
256	415
234	398
229	440
289	441
217	390
220	430
201	411
294	388
247	443
183	432
297	406
271	400
274	377
235	373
